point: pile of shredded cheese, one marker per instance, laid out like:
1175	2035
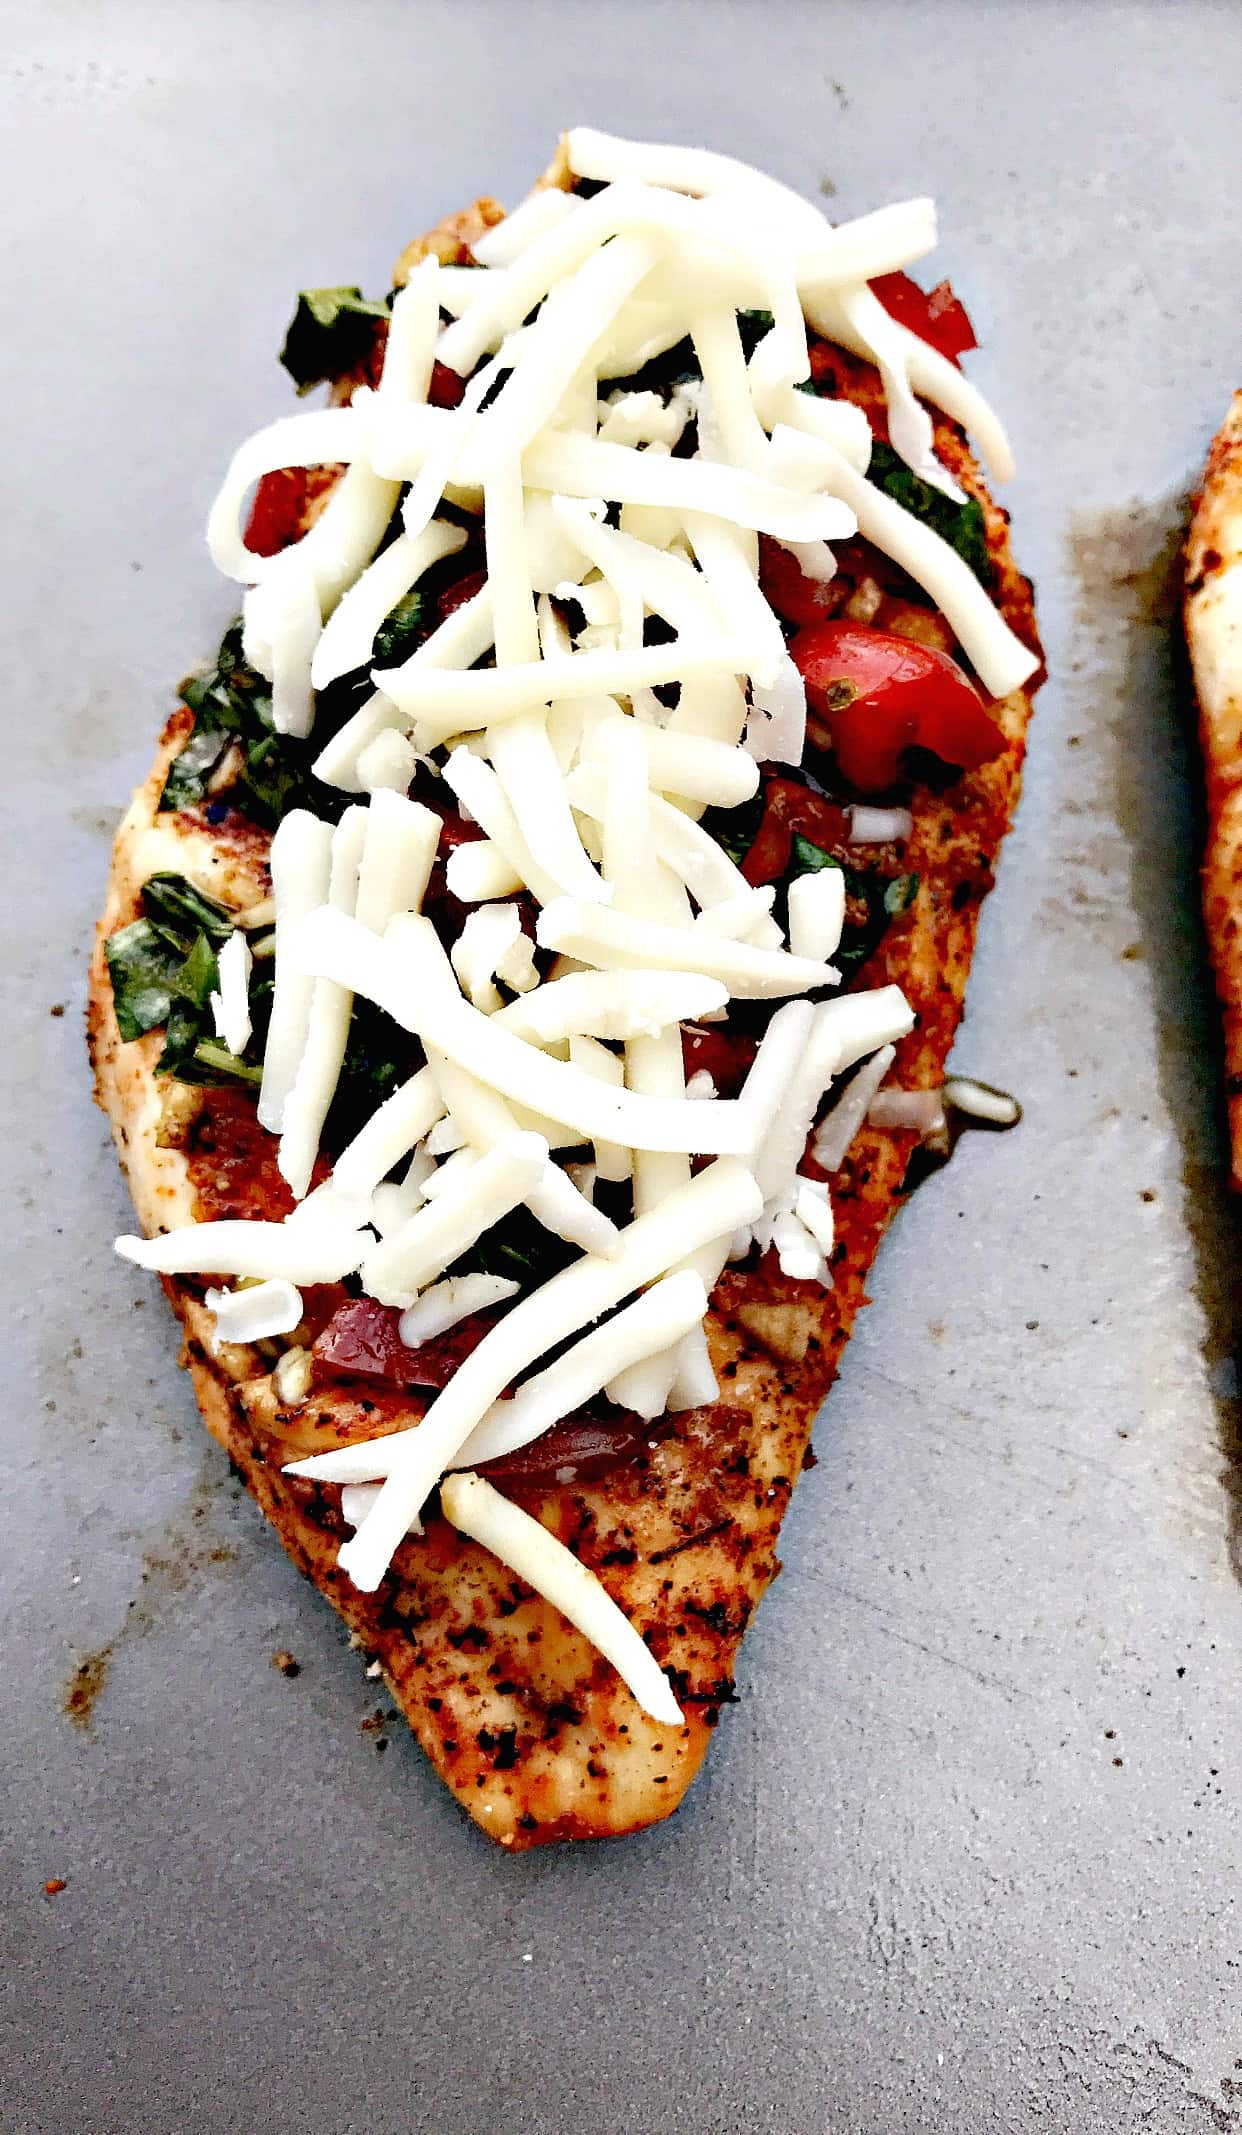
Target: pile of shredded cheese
589	792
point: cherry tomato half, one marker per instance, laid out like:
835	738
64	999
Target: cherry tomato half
879	694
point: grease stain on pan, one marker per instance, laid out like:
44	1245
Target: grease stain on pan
1130	684
192	1547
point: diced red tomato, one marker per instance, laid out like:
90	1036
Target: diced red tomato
726	1054
446	388
879	694
935	315
795	597
278	508
461	590
792	810
577	1451
363	1340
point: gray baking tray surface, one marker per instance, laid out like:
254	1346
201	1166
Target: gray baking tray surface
964	1857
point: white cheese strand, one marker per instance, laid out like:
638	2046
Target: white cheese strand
613	1004
401	1121
446	1227
327	1024
408	975
577	466
477	872
554	1201
317	439
480	792
614	1162
295	1253
300	862
658	1317
717	1200
544	1563
838	1127
450	1302
817	912
230	1007
446	702
398	855
609	938
350	633
693	855
1002	662
257	1313
553	351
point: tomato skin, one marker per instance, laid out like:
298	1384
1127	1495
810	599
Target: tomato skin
461	590
791	810
879	694
785	585
935	315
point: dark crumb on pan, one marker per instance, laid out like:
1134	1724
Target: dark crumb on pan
83	1688
284	1660
57	1008
54	1885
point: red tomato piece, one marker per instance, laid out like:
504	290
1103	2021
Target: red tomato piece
792	810
446	388
783	582
462	590
936	315
579	1450
726	1054
363	1339
277	512
879	694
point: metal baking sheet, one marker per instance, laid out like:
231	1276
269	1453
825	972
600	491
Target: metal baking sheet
964	1855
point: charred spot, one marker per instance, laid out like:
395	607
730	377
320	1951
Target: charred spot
506	1750
623	1555
435	1704
526	1822
596	1771
473	1639
560	1713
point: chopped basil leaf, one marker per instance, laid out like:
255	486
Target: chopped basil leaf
399	632
210	1053
809	859
180	909
189	772
232	703
961	525
164	971
329	333
142	968
199	976
900	894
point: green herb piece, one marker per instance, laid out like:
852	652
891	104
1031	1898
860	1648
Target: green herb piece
809	859
164	971
961	525
900	894
211	1054
189	773
142	968
199	976
182	911
329	333
399	632
232	703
